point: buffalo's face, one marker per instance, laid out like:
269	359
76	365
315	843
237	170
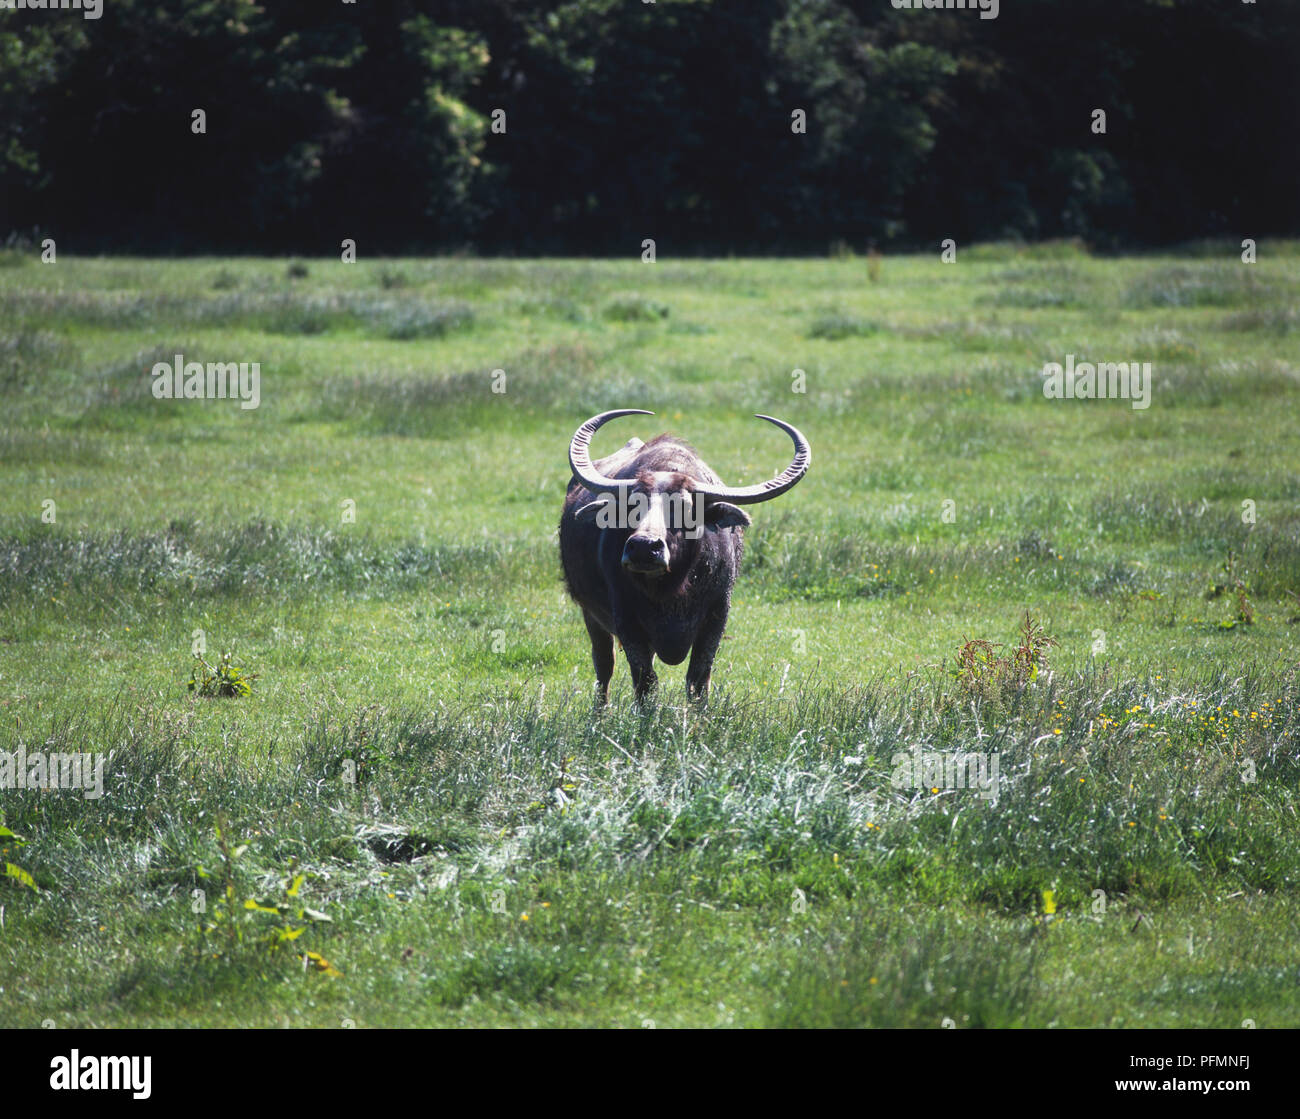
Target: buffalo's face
665	517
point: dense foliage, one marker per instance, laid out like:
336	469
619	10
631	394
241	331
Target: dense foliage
626	120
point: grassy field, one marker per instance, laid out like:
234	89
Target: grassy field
375	541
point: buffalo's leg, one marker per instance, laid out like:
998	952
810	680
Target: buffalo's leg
706	648
640	659
602	656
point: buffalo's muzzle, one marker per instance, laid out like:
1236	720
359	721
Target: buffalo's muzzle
645	555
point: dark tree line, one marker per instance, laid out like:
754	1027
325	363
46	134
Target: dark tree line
624	120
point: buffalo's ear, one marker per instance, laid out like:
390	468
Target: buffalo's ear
588	511
722	514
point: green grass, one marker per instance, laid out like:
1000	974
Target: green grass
376	542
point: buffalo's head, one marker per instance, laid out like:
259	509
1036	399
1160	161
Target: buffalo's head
667	511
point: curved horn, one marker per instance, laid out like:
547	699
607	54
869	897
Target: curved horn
765	491
580	456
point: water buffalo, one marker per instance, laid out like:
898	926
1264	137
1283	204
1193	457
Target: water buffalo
650	540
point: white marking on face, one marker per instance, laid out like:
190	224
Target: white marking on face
654	523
